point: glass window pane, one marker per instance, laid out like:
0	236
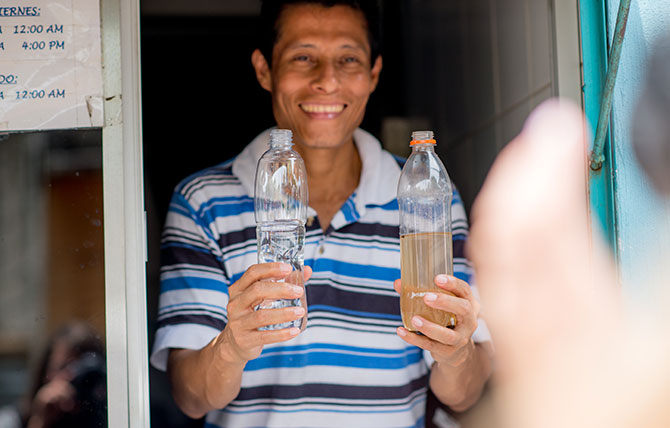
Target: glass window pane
52	313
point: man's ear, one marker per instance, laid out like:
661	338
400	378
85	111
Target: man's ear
374	73
262	70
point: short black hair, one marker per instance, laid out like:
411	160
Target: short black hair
271	10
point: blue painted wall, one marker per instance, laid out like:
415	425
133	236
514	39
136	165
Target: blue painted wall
643	217
593	24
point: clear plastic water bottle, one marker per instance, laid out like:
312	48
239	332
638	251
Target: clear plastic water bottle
280	205
424	198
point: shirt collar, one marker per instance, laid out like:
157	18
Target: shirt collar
379	175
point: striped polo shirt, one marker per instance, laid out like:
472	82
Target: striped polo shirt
348	368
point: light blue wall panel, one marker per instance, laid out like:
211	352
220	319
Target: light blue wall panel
643	218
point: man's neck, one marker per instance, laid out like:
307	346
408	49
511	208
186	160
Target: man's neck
332	176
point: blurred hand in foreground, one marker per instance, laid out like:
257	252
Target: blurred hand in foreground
566	352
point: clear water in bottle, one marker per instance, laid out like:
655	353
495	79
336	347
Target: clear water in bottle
280	203
282	241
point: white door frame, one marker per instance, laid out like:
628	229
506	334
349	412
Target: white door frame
124	219
567	46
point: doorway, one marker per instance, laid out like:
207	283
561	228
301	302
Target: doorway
471	70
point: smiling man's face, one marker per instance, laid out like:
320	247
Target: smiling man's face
321	75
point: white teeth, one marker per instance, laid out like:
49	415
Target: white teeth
321	108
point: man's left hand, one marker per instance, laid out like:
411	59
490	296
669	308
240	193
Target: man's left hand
447	346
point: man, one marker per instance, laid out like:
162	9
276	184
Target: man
352	365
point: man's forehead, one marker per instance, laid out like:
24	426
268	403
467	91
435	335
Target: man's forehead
311	24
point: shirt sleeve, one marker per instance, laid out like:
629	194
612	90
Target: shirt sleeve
193	283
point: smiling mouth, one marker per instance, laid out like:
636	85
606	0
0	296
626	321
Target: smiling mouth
322	108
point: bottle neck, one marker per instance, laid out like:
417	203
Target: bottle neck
285	145
422	135
281	138
424	147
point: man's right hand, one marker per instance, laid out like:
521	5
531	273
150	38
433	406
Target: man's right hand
241	340
209	378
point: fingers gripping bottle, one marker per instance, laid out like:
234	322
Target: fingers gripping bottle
280	206
424	199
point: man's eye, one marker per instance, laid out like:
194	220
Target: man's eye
350	60
301	58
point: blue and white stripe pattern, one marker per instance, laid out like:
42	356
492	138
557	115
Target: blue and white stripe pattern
348	368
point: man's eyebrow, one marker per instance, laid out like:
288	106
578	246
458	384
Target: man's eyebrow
354	47
301	45
350	46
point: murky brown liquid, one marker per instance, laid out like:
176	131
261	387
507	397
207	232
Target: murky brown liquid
422	257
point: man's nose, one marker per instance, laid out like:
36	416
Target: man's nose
325	79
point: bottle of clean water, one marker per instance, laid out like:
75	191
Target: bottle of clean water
280	205
424	200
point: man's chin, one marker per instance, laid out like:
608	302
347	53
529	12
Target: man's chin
324	141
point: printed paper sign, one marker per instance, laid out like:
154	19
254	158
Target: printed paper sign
50	65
